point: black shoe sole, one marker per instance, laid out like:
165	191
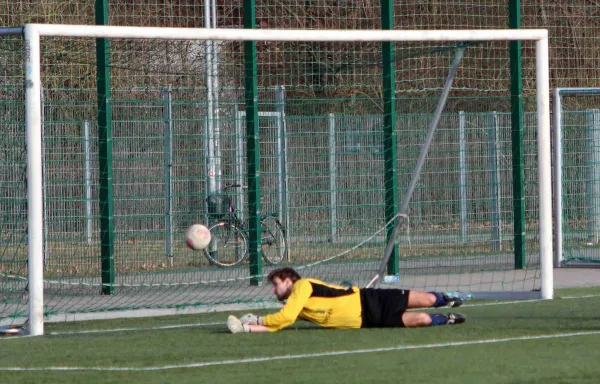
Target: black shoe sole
456	318
453	302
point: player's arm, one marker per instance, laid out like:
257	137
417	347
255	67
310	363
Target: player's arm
289	313
256	328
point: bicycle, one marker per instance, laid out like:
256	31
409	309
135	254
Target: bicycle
229	245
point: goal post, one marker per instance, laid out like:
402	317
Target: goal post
33	115
583	122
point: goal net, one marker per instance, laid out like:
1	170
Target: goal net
133	134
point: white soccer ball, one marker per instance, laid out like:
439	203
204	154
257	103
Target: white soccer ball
197	237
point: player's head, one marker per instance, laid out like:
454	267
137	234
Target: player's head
282	280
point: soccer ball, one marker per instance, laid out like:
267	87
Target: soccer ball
197	237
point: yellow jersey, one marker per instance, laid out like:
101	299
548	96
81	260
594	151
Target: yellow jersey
328	305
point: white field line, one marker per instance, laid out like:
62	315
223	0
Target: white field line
166	327
307	355
136	329
193	325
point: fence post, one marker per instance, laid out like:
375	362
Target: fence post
105	155
282	167
592	126
462	133
390	155
239	160
516	119
88	181
252	147
332	179
557	163
168	144
44	183
494	185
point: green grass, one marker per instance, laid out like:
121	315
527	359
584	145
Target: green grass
572	359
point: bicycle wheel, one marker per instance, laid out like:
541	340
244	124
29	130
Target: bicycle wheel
274	242
228	246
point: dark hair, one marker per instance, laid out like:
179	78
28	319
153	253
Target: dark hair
283	273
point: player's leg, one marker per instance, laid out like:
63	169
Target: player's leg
416	319
423	319
421	299
388	308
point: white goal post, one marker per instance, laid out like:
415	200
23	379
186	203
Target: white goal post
558	132
33	33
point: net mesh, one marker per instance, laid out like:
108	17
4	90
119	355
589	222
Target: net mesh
176	119
13	183
326	86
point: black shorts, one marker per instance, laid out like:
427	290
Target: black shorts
383	307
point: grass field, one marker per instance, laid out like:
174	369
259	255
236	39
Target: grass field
512	342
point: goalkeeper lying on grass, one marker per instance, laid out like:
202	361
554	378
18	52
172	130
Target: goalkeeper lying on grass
333	306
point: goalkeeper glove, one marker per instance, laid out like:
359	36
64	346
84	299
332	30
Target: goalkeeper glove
235	325
250	318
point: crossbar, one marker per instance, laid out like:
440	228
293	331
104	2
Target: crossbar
123	32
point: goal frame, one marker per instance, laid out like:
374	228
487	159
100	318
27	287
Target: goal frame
557	157
33	118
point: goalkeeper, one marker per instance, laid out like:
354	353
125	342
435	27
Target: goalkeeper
334	306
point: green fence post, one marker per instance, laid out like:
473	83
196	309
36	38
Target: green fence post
107	234
252	146
518	173
389	131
